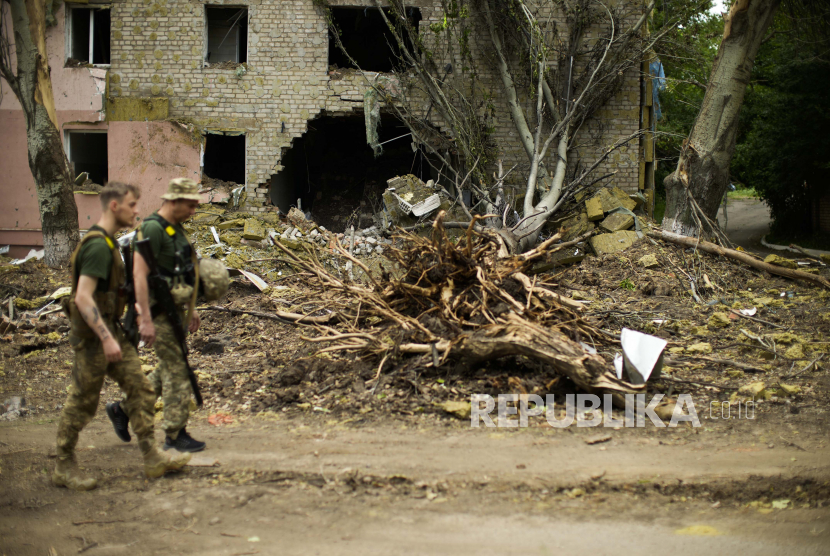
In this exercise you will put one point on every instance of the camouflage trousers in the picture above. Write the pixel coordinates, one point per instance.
(88, 374)
(169, 378)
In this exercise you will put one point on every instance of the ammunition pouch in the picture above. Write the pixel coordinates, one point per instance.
(181, 293)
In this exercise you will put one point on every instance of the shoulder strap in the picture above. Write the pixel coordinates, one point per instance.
(156, 217)
(74, 258)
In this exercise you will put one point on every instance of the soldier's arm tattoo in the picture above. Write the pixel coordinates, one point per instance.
(85, 303)
(93, 318)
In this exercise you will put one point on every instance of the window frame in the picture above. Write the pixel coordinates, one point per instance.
(68, 30)
(206, 32)
(67, 149)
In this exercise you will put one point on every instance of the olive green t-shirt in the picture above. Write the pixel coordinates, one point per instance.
(95, 260)
(163, 248)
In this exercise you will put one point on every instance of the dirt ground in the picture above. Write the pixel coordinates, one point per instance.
(312, 455)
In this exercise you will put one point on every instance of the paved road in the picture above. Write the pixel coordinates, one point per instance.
(748, 222)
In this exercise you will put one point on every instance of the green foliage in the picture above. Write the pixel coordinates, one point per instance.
(628, 285)
(783, 149)
(687, 57)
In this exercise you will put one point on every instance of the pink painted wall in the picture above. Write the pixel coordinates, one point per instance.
(19, 214)
(148, 154)
(78, 89)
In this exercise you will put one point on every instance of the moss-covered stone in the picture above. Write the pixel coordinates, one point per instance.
(719, 320)
(613, 243)
(778, 260)
(616, 222)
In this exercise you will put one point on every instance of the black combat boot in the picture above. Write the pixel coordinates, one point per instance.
(120, 421)
(184, 443)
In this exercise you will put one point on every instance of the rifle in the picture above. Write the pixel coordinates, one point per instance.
(130, 323)
(164, 299)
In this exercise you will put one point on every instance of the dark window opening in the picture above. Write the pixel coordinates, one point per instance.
(87, 152)
(335, 174)
(225, 157)
(367, 39)
(227, 32)
(89, 32)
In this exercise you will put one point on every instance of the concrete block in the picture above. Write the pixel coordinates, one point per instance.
(254, 230)
(625, 200)
(613, 243)
(593, 206)
(616, 222)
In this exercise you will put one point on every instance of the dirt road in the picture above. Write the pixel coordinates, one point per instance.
(311, 485)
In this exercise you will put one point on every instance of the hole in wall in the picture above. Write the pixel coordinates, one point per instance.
(335, 174)
(367, 38)
(225, 157)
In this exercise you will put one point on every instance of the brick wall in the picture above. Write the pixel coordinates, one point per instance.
(158, 49)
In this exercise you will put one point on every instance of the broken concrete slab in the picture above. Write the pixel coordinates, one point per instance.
(236, 223)
(254, 230)
(613, 243)
(609, 201)
(593, 206)
(624, 198)
(649, 261)
(778, 260)
(616, 222)
(576, 226)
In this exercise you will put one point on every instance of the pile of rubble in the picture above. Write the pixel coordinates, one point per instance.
(238, 238)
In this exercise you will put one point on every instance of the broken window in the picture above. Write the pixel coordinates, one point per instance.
(225, 157)
(87, 152)
(227, 34)
(335, 174)
(367, 39)
(88, 39)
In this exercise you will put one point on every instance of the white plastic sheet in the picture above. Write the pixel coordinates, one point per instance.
(642, 355)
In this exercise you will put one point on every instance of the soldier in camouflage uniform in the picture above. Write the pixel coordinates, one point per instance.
(176, 261)
(100, 346)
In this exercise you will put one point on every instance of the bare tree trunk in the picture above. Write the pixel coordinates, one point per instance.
(702, 173)
(47, 161)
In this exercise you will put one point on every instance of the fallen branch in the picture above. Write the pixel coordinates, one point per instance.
(282, 316)
(89, 521)
(804, 252)
(743, 257)
(808, 367)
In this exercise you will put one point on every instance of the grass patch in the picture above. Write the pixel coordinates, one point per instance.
(748, 193)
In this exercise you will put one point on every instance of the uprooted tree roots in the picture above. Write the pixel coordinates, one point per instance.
(459, 301)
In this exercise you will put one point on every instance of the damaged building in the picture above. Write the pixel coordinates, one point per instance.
(253, 94)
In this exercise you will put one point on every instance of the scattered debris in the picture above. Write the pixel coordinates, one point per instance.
(13, 408)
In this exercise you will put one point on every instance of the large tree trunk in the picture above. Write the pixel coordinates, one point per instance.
(47, 161)
(702, 173)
